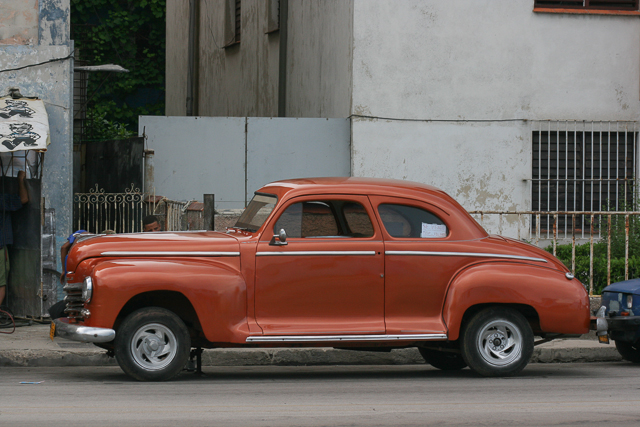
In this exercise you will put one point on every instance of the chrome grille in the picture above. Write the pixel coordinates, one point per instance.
(74, 300)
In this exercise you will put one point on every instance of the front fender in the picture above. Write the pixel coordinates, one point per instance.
(216, 291)
(562, 304)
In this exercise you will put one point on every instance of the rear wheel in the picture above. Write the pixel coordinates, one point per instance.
(152, 344)
(629, 351)
(497, 341)
(444, 360)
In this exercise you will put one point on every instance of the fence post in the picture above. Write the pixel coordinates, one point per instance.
(209, 212)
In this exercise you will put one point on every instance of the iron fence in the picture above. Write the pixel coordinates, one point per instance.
(97, 211)
(606, 236)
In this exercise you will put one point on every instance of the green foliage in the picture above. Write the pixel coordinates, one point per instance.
(618, 236)
(130, 33)
(99, 128)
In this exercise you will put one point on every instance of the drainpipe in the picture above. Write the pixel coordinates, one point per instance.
(194, 58)
(149, 179)
(282, 66)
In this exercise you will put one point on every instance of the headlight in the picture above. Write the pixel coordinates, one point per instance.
(87, 289)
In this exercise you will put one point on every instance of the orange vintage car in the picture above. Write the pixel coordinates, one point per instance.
(351, 263)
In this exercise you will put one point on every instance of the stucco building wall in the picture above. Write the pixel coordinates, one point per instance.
(475, 75)
(39, 41)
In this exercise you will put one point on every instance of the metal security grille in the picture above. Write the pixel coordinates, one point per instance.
(583, 166)
(589, 4)
(238, 22)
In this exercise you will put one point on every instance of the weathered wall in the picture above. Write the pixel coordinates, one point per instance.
(494, 61)
(240, 80)
(18, 22)
(232, 157)
(50, 81)
(176, 66)
(320, 58)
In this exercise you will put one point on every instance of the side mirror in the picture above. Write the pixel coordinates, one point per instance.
(279, 239)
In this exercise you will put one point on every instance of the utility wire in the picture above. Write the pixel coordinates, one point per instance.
(39, 63)
(437, 120)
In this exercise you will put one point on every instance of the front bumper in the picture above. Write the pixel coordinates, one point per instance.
(82, 333)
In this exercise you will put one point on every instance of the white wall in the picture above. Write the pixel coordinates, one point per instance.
(492, 59)
(474, 74)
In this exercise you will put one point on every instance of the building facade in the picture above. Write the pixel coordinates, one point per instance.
(506, 105)
(36, 56)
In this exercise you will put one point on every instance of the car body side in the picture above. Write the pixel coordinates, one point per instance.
(216, 292)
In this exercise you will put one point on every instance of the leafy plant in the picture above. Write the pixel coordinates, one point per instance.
(99, 128)
(130, 33)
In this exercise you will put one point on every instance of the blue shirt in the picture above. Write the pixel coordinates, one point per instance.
(8, 203)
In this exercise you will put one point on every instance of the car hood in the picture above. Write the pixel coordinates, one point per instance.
(628, 287)
(163, 243)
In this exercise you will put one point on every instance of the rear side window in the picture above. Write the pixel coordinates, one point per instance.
(411, 222)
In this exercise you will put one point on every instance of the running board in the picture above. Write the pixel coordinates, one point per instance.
(345, 338)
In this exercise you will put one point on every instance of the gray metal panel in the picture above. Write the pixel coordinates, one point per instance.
(196, 156)
(284, 148)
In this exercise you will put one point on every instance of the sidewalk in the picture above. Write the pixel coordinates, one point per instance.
(30, 346)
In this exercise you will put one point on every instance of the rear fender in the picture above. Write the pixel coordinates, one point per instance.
(562, 305)
(216, 291)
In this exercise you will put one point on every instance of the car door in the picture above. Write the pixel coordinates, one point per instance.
(420, 259)
(328, 277)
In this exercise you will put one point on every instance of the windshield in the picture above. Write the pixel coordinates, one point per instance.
(257, 212)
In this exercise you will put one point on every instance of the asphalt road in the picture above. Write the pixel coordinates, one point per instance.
(544, 394)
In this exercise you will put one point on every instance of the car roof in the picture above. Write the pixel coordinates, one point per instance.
(346, 185)
(627, 286)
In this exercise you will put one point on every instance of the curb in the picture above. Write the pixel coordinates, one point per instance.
(290, 357)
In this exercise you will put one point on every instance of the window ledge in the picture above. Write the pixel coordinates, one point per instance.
(587, 11)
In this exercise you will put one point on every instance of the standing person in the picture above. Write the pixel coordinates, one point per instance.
(9, 203)
(151, 223)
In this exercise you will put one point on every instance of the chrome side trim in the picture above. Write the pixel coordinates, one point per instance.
(83, 333)
(305, 253)
(471, 254)
(167, 253)
(326, 338)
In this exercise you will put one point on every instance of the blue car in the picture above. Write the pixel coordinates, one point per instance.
(621, 302)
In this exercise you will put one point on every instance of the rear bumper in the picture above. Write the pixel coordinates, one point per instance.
(82, 333)
(599, 323)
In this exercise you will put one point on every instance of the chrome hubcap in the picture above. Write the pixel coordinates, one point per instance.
(153, 346)
(500, 343)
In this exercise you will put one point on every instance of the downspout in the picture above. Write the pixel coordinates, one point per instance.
(194, 58)
(282, 66)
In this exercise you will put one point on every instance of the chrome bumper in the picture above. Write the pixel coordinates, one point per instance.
(82, 333)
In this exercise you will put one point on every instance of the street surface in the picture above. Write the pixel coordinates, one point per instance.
(599, 394)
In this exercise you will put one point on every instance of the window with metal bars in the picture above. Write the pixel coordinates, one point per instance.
(581, 167)
(238, 14)
(588, 4)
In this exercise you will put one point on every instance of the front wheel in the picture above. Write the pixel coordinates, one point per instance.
(629, 351)
(152, 344)
(497, 341)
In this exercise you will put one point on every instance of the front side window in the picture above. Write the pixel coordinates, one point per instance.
(257, 212)
(411, 222)
(325, 218)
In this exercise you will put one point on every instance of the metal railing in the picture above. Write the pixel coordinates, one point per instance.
(579, 228)
(97, 211)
